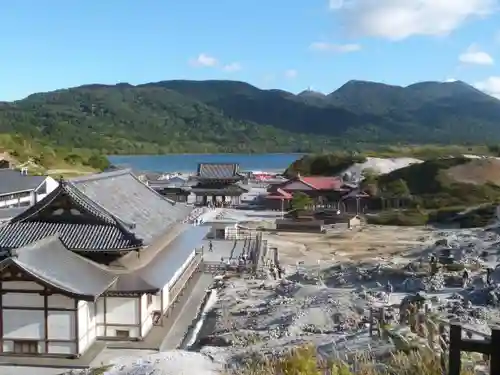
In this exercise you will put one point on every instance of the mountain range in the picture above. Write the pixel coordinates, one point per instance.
(232, 116)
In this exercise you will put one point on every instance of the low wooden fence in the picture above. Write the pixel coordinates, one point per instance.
(310, 226)
(446, 337)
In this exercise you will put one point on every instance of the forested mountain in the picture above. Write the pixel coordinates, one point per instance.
(229, 116)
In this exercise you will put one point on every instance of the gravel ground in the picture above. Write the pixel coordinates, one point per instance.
(328, 304)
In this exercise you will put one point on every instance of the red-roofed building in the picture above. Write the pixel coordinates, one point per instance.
(322, 189)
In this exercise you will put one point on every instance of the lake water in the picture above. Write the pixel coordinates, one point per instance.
(189, 162)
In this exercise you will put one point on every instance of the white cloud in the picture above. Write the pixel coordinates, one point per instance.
(475, 56)
(233, 67)
(204, 60)
(336, 48)
(449, 80)
(291, 73)
(490, 86)
(400, 19)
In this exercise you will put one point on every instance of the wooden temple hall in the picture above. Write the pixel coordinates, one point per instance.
(218, 183)
(102, 257)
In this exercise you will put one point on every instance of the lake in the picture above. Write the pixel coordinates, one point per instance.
(187, 163)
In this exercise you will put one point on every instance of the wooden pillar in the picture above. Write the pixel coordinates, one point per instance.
(454, 362)
(494, 350)
(77, 331)
(105, 308)
(1, 316)
(46, 319)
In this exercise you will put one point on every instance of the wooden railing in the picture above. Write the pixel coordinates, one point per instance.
(444, 336)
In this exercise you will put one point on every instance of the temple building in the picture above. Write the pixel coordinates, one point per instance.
(102, 257)
(218, 183)
(19, 189)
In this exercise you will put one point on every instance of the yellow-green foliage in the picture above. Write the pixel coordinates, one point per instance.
(304, 361)
(47, 156)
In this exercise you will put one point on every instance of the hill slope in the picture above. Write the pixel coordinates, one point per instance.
(445, 182)
(230, 116)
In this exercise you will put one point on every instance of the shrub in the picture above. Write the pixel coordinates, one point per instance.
(304, 361)
(400, 218)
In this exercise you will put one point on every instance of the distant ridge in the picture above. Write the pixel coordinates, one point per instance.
(232, 116)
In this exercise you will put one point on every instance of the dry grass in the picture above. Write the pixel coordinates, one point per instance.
(304, 361)
(477, 171)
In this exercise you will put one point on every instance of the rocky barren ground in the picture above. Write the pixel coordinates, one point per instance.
(328, 304)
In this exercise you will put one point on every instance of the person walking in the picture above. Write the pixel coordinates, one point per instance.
(489, 276)
(389, 289)
(210, 246)
(465, 278)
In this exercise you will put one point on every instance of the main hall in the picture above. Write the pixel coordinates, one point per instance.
(102, 257)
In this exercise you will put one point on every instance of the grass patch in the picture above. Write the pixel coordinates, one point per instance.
(304, 361)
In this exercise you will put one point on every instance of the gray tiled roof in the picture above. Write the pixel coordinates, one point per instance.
(218, 170)
(130, 215)
(78, 237)
(158, 272)
(9, 213)
(12, 181)
(128, 199)
(51, 262)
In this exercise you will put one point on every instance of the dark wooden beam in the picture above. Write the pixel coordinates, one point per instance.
(105, 306)
(77, 330)
(46, 319)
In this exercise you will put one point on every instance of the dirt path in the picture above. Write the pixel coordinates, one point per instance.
(369, 242)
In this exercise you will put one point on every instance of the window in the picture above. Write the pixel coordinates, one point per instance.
(149, 299)
(26, 347)
(42, 189)
(122, 333)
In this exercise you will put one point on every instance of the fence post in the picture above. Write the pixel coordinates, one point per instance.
(371, 321)
(494, 350)
(443, 346)
(454, 363)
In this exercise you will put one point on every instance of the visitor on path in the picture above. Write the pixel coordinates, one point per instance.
(210, 246)
(389, 289)
(465, 278)
(489, 276)
(434, 265)
(280, 272)
(273, 272)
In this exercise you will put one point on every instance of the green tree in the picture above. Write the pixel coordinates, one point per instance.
(97, 161)
(397, 189)
(370, 183)
(301, 201)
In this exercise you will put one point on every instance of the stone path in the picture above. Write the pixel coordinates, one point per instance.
(187, 315)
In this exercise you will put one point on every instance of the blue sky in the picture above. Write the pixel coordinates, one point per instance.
(291, 44)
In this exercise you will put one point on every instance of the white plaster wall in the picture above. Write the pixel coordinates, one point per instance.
(166, 299)
(59, 301)
(121, 314)
(26, 201)
(62, 348)
(51, 186)
(146, 315)
(181, 269)
(23, 324)
(121, 310)
(99, 317)
(133, 332)
(24, 285)
(23, 300)
(87, 330)
(61, 325)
